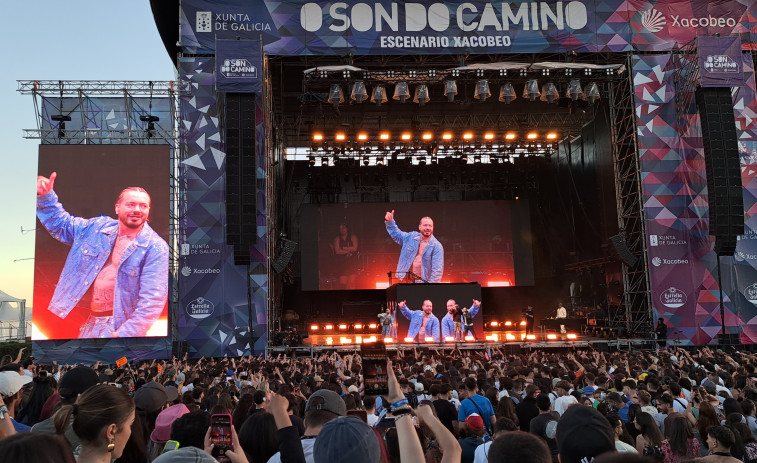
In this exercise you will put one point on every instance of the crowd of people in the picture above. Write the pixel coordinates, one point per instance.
(578, 406)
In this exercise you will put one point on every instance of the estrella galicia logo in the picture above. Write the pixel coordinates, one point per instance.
(200, 308)
(186, 270)
(653, 20)
(239, 67)
(750, 292)
(656, 261)
(204, 21)
(673, 298)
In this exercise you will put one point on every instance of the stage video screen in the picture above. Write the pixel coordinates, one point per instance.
(487, 242)
(101, 250)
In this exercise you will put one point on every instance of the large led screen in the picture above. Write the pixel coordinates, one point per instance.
(488, 242)
(101, 252)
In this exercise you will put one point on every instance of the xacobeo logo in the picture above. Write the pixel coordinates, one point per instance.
(656, 261)
(653, 20)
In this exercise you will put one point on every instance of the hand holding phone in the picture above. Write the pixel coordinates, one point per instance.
(220, 434)
(375, 376)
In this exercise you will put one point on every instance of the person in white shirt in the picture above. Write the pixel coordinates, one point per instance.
(564, 399)
(561, 313)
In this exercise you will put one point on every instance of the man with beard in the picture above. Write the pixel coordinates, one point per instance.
(116, 269)
(423, 323)
(422, 255)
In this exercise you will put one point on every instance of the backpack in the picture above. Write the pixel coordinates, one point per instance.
(654, 452)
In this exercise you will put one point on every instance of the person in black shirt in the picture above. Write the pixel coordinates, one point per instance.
(529, 320)
(545, 425)
(444, 409)
(662, 332)
(527, 409)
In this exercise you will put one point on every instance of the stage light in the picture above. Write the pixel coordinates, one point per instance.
(551, 136)
(345, 340)
(494, 284)
(468, 136)
(479, 73)
(447, 136)
(510, 337)
(492, 337)
(552, 337)
(359, 93)
(372, 326)
(370, 339)
(401, 92)
(421, 94)
(329, 341)
(587, 71)
(592, 93)
(336, 95)
(362, 136)
(482, 91)
(469, 338)
(523, 72)
(384, 136)
(328, 327)
(508, 323)
(531, 90)
(503, 72)
(549, 93)
(406, 136)
(388, 340)
(569, 72)
(428, 339)
(511, 136)
(427, 136)
(494, 324)
(523, 323)
(572, 336)
(489, 136)
(455, 73)
(358, 339)
(532, 135)
(449, 339)
(382, 285)
(340, 137)
(574, 90)
(531, 337)
(323, 74)
(450, 89)
(358, 326)
(379, 95)
(408, 339)
(61, 120)
(346, 74)
(317, 136)
(314, 327)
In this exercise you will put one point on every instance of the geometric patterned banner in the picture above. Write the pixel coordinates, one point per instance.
(682, 266)
(400, 27)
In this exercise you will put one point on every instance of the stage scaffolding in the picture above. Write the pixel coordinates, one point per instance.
(80, 103)
(636, 319)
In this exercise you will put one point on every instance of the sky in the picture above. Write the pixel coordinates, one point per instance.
(56, 40)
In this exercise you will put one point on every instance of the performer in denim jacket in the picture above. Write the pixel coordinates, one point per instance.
(423, 323)
(118, 269)
(421, 254)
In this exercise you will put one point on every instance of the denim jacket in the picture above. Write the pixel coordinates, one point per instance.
(448, 326)
(416, 320)
(432, 261)
(141, 289)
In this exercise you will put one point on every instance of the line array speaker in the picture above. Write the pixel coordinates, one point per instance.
(287, 251)
(622, 249)
(241, 210)
(721, 154)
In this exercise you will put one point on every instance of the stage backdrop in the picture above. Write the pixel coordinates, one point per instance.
(385, 27)
(682, 266)
(212, 315)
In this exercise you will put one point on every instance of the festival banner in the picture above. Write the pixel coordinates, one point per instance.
(238, 66)
(720, 62)
(386, 27)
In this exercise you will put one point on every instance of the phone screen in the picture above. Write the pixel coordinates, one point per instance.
(375, 376)
(220, 434)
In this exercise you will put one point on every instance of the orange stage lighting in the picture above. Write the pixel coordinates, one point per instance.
(470, 338)
(329, 340)
(314, 327)
(428, 339)
(372, 326)
(508, 323)
(492, 337)
(446, 136)
(382, 285)
(523, 323)
(408, 339)
(532, 135)
(362, 136)
(552, 337)
(511, 136)
(489, 136)
(497, 284)
(531, 337)
(317, 137)
(510, 337)
(552, 136)
(358, 339)
(495, 324)
(384, 136)
(388, 340)
(572, 336)
(406, 136)
(329, 327)
(343, 326)
(427, 136)
(468, 136)
(449, 339)
(340, 137)
(371, 339)
(358, 326)
(345, 340)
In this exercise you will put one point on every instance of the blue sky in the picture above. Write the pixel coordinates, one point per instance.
(55, 40)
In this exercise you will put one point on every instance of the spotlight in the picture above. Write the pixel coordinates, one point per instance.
(549, 93)
(362, 136)
(359, 93)
(511, 136)
(432, 72)
(340, 136)
(479, 73)
(346, 74)
(592, 93)
(531, 90)
(323, 74)
(406, 136)
(587, 71)
(523, 72)
(317, 136)
(552, 136)
(450, 90)
(545, 72)
(427, 136)
(336, 95)
(503, 72)
(532, 135)
(421, 94)
(412, 73)
(569, 72)
(446, 136)
(379, 95)
(574, 90)
(468, 136)
(384, 136)
(489, 136)
(482, 91)
(507, 93)
(62, 119)
(401, 92)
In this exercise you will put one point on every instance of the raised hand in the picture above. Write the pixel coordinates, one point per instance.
(389, 216)
(45, 185)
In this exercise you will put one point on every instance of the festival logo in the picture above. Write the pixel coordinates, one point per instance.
(200, 308)
(750, 292)
(653, 20)
(673, 298)
(204, 21)
(721, 63)
(186, 271)
(656, 261)
(239, 68)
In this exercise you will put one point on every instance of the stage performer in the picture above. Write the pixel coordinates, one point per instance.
(346, 252)
(530, 320)
(562, 313)
(451, 323)
(117, 269)
(661, 331)
(422, 322)
(422, 255)
(386, 320)
(467, 317)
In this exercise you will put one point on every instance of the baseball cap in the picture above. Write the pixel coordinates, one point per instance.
(151, 397)
(588, 390)
(11, 382)
(327, 400)
(180, 378)
(475, 422)
(346, 439)
(162, 431)
(353, 388)
(583, 433)
(76, 381)
(185, 455)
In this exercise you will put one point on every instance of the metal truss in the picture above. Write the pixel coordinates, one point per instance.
(96, 87)
(636, 319)
(686, 77)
